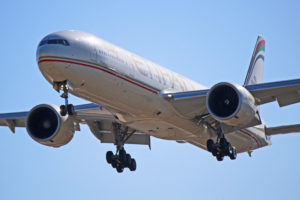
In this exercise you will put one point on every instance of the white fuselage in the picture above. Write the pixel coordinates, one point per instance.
(129, 86)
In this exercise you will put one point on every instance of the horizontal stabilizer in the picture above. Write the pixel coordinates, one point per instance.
(282, 129)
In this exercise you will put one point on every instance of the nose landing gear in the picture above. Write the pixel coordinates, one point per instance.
(120, 159)
(221, 148)
(66, 108)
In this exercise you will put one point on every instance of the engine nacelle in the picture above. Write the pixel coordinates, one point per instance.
(232, 104)
(46, 126)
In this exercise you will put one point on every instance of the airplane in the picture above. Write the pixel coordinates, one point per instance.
(132, 99)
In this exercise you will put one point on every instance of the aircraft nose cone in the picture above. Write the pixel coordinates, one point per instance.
(41, 48)
(52, 45)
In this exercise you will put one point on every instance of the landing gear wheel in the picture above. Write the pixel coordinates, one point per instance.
(224, 146)
(132, 165)
(71, 109)
(109, 157)
(121, 160)
(63, 110)
(233, 153)
(220, 157)
(120, 169)
(66, 108)
(128, 160)
(114, 163)
(214, 151)
(122, 156)
(210, 145)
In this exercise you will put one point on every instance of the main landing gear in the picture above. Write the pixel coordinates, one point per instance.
(120, 159)
(221, 148)
(66, 108)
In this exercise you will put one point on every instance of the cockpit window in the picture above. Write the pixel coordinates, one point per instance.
(55, 41)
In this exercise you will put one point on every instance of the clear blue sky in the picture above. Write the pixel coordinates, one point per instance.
(207, 42)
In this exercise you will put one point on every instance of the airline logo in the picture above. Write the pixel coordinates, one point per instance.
(255, 71)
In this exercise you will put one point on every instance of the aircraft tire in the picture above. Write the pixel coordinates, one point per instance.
(63, 110)
(233, 153)
(114, 163)
(70, 109)
(220, 157)
(210, 145)
(109, 157)
(132, 166)
(122, 156)
(120, 169)
(214, 151)
(128, 160)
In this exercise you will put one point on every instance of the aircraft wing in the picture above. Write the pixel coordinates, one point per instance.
(85, 111)
(189, 103)
(96, 117)
(284, 92)
(193, 103)
(13, 120)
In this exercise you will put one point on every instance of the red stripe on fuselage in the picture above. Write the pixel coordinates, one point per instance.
(102, 69)
(246, 133)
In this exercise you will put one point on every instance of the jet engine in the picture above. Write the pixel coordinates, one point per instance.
(46, 126)
(232, 104)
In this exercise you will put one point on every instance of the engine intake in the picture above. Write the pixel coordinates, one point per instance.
(46, 126)
(232, 104)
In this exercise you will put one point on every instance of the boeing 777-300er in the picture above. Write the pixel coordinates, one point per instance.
(133, 99)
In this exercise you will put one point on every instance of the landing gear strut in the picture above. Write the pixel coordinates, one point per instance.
(120, 159)
(66, 108)
(221, 148)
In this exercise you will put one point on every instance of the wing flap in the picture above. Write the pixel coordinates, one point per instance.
(289, 98)
(103, 130)
(138, 138)
(188, 104)
(284, 92)
(88, 112)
